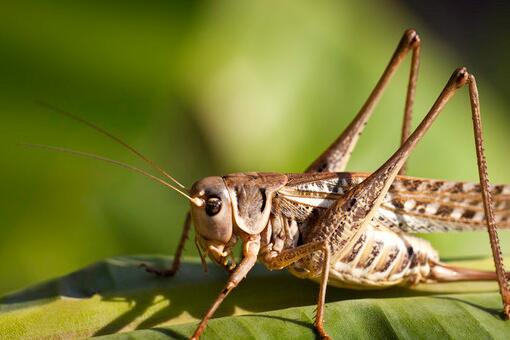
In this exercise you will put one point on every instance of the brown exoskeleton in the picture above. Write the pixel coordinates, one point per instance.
(345, 229)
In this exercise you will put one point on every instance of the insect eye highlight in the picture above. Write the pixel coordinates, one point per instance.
(212, 206)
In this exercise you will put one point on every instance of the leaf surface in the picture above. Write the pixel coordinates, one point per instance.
(115, 296)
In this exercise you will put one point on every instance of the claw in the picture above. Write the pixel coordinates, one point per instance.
(322, 332)
(157, 271)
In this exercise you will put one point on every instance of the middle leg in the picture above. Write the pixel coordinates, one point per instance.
(289, 256)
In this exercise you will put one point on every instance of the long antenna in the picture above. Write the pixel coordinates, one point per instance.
(197, 201)
(111, 136)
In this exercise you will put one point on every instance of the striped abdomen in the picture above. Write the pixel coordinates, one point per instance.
(377, 258)
(381, 258)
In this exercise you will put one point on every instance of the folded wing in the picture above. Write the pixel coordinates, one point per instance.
(416, 205)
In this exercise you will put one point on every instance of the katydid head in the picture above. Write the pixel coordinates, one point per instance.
(231, 208)
(213, 218)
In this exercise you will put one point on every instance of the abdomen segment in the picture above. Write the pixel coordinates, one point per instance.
(379, 258)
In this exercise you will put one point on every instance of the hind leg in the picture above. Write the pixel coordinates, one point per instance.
(337, 155)
(441, 272)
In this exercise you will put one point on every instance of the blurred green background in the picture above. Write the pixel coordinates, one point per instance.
(212, 88)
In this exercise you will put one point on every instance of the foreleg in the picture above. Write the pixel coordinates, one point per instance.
(250, 251)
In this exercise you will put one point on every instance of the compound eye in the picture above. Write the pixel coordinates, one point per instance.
(212, 206)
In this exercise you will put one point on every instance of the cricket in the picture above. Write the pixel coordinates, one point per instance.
(342, 229)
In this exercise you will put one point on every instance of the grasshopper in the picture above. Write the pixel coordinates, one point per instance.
(341, 228)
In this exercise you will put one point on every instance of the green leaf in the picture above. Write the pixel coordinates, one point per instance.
(115, 296)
